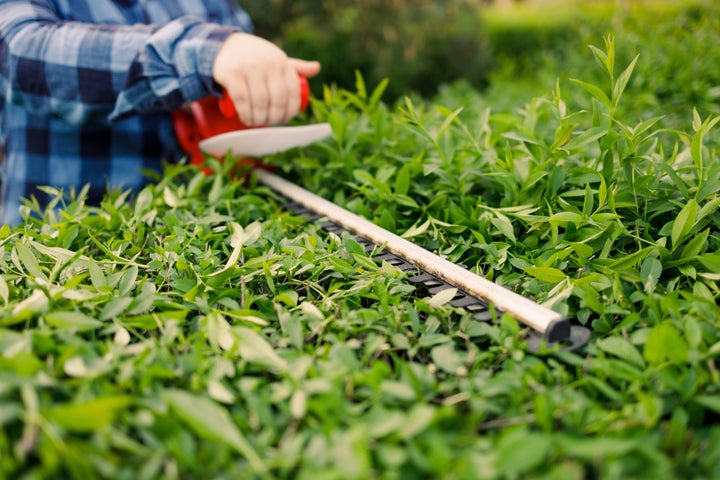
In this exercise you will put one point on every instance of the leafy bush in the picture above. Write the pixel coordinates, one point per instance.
(199, 330)
(421, 45)
(676, 68)
(418, 44)
(547, 178)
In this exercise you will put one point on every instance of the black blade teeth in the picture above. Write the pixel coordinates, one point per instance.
(478, 308)
(391, 258)
(302, 211)
(440, 288)
(405, 266)
(333, 227)
(423, 277)
(483, 316)
(465, 301)
(366, 244)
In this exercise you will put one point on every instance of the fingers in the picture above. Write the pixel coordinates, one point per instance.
(260, 79)
(267, 99)
(259, 100)
(283, 96)
(240, 96)
(306, 68)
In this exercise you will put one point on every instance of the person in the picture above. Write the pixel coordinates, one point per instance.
(87, 87)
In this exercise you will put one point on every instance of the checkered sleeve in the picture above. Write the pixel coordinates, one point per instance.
(102, 72)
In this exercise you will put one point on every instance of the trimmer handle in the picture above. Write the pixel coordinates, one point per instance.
(212, 116)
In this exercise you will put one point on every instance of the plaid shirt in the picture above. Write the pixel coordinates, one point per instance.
(86, 88)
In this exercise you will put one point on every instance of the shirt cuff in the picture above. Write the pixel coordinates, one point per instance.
(173, 68)
(196, 58)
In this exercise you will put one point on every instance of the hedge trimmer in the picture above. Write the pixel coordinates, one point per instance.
(211, 126)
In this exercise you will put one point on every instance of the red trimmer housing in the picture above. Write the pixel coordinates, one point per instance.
(212, 116)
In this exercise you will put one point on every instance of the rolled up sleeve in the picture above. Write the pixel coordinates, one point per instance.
(84, 72)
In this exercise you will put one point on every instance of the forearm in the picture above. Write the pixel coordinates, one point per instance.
(173, 67)
(83, 72)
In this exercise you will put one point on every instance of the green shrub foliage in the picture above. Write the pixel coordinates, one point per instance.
(200, 330)
(532, 48)
(419, 44)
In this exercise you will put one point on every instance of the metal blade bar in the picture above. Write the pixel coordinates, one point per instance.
(551, 325)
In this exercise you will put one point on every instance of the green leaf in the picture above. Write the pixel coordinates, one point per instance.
(402, 181)
(587, 137)
(72, 320)
(311, 310)
(504, 224)
(144, 301)
(29, 260)
(445, 357)
(399, 390)
(546, 274)
(595, 92)
(378, 92)
(709, 208)
(447, 122)
(219, 333)
(88, 416)
(684, 222)
(622, 81)
(298, 404)
(239, 238)
(650, 271)
(365, 262)
(419, 419)
(623, 349)
(443, 297)
(665, 344)
(629, 261)
(562, 135)
(696, 146)
(216, 189)
(4, 290)
(696, 244)
(696, 121)
(417, 230)
(588, 203)
(708, 401)
(601, 57)
(594, 448)
(155, 320)
(520, 451)
(288, 297)
(97, 276)
(127, 280)
(171, 199)
(693, 332)
(711, 262)
(115, 308)
(562, 218)
(254, 348)
(211, 421)
(34, 303)
(143, 202)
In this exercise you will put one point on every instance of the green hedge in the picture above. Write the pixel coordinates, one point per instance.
(200, 330)
(677, 66)
(416, 44)
(422, 44)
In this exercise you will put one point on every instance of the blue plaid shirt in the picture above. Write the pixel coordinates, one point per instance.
(87, 86)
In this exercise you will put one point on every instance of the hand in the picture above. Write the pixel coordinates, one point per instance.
(261, 79)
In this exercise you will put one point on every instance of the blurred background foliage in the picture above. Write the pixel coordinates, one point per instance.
(416, 43)
(527, 45)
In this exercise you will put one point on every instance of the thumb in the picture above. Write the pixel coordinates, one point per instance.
(305, 68)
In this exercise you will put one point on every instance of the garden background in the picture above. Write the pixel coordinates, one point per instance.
(567, 150)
